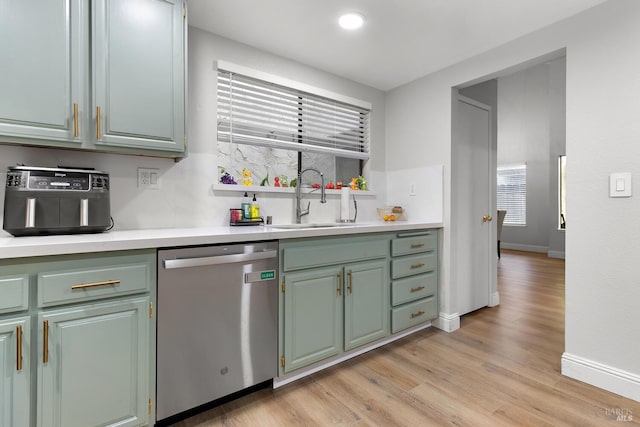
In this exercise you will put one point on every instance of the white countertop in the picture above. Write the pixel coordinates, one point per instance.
(19, 247)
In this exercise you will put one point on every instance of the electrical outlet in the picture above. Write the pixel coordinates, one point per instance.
(149, 178)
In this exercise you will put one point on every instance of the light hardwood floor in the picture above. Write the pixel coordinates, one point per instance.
(502, 367)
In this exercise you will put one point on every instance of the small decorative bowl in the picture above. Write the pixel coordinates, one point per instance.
(387, 213)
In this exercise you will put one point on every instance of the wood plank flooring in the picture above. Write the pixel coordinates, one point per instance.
(501, 368)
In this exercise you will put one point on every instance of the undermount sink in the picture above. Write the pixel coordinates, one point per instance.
(312, 225)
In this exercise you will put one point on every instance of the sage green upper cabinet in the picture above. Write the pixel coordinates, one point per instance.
(138, 70)
(104, 75)
(42, 75)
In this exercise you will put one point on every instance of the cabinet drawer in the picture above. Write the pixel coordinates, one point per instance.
(319, 255)
(415, 264)
(413, 314)
(413, 288)
(414, 244)
(14, 293)
(96, 279)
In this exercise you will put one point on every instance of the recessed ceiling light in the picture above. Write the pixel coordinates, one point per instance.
(351, 21)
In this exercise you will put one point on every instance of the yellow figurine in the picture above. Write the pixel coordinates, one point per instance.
(246, 177)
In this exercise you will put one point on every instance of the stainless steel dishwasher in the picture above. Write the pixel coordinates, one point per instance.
(217, 322)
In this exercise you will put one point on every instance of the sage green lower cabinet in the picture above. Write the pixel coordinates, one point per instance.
(83, 327)
(313, 320)
(366, 303)
(334, 297)
(94, 369)
(15, 371)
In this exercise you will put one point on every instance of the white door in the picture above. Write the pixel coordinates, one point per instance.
(472, 205)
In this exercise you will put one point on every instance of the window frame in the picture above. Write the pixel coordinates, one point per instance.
(516, 207)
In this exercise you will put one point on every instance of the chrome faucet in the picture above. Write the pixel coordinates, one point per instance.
(323, 197)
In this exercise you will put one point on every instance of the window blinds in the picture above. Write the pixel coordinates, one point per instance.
(257, 112)
(512, 193)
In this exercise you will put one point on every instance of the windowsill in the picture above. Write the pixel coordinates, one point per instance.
(291, 190)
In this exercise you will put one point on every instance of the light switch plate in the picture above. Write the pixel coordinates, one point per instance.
(149, 178)
(620, 184)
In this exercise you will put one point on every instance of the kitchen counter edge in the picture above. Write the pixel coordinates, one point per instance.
(21, 247)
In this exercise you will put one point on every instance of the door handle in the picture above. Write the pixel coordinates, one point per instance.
(219, 259)
(19, 348)
(340, 283)
(350, 286)
(45, 342)
(487, 218)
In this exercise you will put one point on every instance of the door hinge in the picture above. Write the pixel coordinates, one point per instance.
(282, 287)
(282, 361)
(185, 141)
(150, 309)
(150, 405)
(184, 10)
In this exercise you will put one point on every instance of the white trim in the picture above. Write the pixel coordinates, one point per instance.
(288, 378)
(272, 78)
(526, 248)
(447, 322)
(494, 299)
(556, 254)
(615, 380)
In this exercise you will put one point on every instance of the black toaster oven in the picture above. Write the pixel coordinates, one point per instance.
(42, 201)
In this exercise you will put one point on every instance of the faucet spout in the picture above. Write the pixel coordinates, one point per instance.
(323, 196)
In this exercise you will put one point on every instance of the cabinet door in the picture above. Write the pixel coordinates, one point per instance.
(41, 76)
(312, 316)
(138, 70)
(366, 311)
(93, 365)
(14, 372)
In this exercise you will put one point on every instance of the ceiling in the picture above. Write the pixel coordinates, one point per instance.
(401, 40)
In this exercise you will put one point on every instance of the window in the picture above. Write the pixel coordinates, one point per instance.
(512, 193)
(276, 129)
(562, 192)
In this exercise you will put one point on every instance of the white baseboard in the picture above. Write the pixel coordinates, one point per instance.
(556, 254)
(526, 248)
(494, 300)
(617, 381)
(447, 322)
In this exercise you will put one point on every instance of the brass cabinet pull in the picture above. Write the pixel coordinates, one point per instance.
(19, 346)
(97, 122)
(76, 133)
(45, 340)
(417, 288)
(418, 314)
(416, 245)
(420, 264)
(340, 283)
(93, 285)
(350, 286)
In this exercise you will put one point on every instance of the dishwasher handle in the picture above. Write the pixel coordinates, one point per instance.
(216, 260)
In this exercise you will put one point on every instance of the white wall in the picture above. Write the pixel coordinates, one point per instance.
(185, 198)
(531, 103)
(602, 130)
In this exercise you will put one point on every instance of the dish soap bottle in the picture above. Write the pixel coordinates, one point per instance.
(255, 208)
(246, 206)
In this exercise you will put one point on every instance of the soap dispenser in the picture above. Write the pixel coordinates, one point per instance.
(246, 206)
(255, 208)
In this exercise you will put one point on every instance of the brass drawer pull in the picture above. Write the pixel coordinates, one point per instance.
(19, 346)
(419, 265)
(416, 245)
(350, 286)
(417, 288)
(340, 283)
(418, 314)
(93, 285)
(45, 339)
